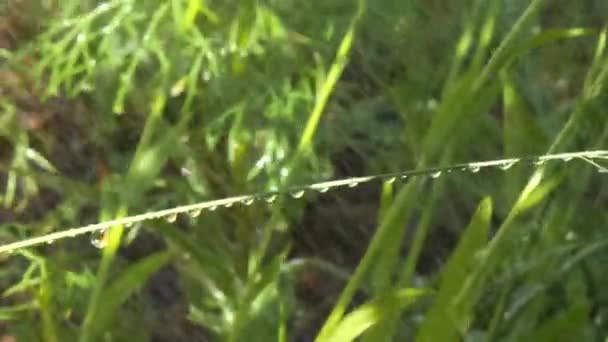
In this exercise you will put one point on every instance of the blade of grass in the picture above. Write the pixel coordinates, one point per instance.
(568, 325)
(367, 315)
(146, 164)
(438, 325)
(330, 80)
(305, 144)
(534, 191)
(393, 220)
(95, 302)
(504, 50)
(45, 300)
(120, 290)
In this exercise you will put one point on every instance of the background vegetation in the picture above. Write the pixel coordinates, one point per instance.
(118, 107)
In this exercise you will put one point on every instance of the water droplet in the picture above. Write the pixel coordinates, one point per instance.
(297, 194)
(391, 180)
(474, 168)
(228, 205)
(81, 38)
(567, 159)
(270, 198)
(212, 208)
(323, 190)
(404, 176)
(353, 184)
(107, 30)
(172, 218)
(98, 239)
(284, 172)
(507, 165)
(540, 162)
(103, 7)
(195, 213)
(248, 201)
(128, 224)
(185, 172)
(571, 236)
(50, 242)
(602, 170)
(436, 174)
(206, 76)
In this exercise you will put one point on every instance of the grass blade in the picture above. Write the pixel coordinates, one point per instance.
(367, 315)
(120, 290)
(439, 325)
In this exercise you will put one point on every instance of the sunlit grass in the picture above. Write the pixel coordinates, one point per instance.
(220, 123)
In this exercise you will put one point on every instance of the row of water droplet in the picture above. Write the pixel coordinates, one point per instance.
(99, 236)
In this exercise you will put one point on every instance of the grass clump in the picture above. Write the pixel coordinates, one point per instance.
(109, 109)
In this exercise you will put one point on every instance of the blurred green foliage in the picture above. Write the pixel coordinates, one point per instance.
(110, 108)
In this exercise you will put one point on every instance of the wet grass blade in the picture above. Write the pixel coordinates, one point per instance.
(440, 324)
(367, 315)
(114, 295)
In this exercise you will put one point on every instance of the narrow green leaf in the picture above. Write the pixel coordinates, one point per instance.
(194, 7)
(536, 190)
(330, 80)
(9, 313)
(522, 134)
(369, 314)
(121, 289)
(390, 229)
(568, 325)
(548, 36)
(438, 325)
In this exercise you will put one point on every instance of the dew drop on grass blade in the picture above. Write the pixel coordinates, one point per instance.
(436, 174)
(353, 184)
(195, 213)
(298, 194)
(172, 218)
(270, 198)
(99, 239)
(248, 201)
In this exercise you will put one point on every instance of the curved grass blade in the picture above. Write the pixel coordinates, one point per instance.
(367, 315)
(119, 291)
(438, 325)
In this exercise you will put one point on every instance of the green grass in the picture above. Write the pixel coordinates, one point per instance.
(117, 111)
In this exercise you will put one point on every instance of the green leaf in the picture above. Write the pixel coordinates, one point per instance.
(536, 190)
(8, 313)
(549, 36)
(439, 325)
(120, 290)
(522, 134)
(367, 315)
(256, 315)
(568, 325)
